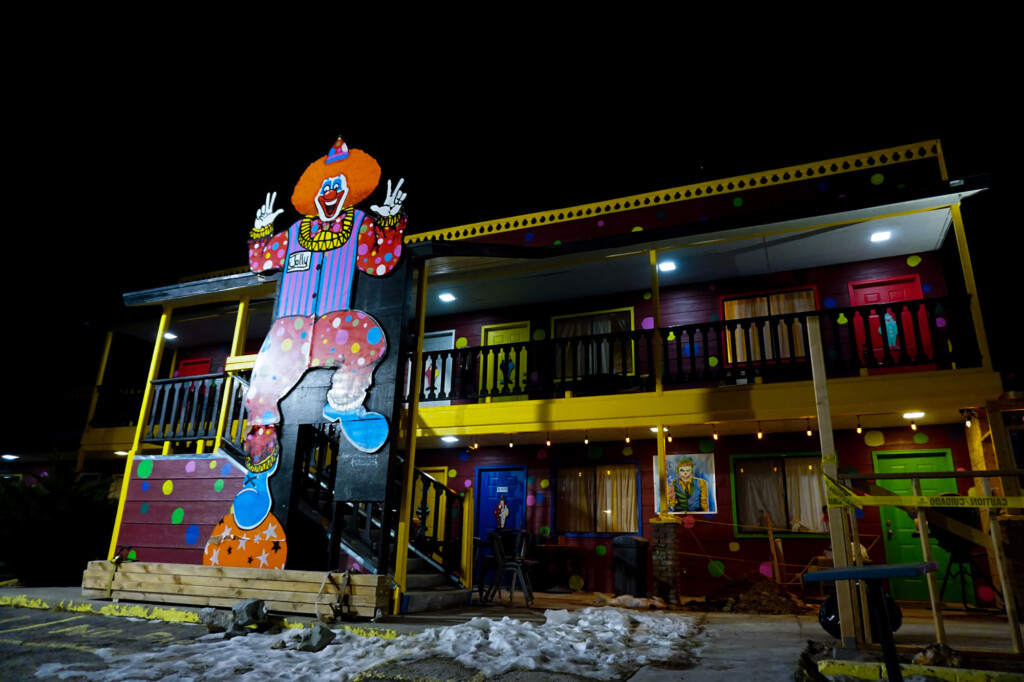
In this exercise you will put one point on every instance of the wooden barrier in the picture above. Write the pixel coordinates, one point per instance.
(301, 592)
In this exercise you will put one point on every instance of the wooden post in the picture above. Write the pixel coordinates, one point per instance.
(656, 304)
(1003, 452)
(837, 522)
(926, 552)
(863, 621)
(1004, 579)
(972, 288)
(771, 545)
(409, 488)
(468, 514)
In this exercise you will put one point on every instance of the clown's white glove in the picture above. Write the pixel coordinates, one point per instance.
(392, 201)
(266, 214)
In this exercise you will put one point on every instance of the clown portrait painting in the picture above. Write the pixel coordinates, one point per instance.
(314, 327)
(690, 482)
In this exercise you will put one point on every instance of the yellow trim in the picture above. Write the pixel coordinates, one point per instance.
(99, 378)
(405, 509)
(942, 162)
(929, 391)
(468, 516)
(237, 363)
(746, 181)
(972, 288)
(658, 369)
(147, 398)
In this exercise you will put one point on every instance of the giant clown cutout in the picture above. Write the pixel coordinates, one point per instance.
(313, 327)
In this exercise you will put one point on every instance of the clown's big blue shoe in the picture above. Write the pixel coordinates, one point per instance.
(366, 431)
(253, 501)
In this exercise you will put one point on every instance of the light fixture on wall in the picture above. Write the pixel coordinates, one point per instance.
(714, 432)
(586, 437)
(760, 434)
(668, 435)
(969, 416)
(476, 444)
(510, 440)
(913, 426)
(859, 429)
(627, 435)
(548, 441)
(809, 432)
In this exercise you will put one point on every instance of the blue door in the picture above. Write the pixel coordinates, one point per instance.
(493, 483)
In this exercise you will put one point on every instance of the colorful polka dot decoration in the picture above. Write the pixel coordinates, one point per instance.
(576, 582)
(461, 342)
(600, 550)
(452, 473)
(542, 454)
(713, 361)
(190, 467)
(647, 323)
(829, 302)
(689, 521)
(167, 488)
(913, 261)
(874, 438)
(765, 569)
(706, 445)
(545, 483)
(145, 468)
(464, 455)
(468, 483)
(716, 568)
(600, 223)
(734, 546)
(530, 480)
(647, 295)
(627, 451)
(545, 531)
(637, 229)
(539, 334)
(455, 513)
(530, 500)
(132, 556)
(540, 498)
(737, 202)
(177, 516)
(920, 438)
(877, 179)
(986, 594)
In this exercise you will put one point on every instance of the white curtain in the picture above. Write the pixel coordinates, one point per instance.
(742, 309)
(574, 508)
(805, 489)
(616, 499)
(760, 494)
(588, 357)
(761, 343)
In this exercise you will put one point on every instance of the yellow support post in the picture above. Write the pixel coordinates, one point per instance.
(405, 510)
(147, 398)
(972, 288)
(237, 348)
(468, 514)
(656, 301)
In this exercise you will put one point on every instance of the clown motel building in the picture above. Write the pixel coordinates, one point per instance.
(649, 365)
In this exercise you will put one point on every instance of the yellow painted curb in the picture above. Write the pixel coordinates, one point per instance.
(876, 671)
(160, 613)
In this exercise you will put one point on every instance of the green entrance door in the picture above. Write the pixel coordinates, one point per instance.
(898, 528)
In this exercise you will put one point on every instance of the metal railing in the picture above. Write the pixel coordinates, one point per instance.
(934, 333)
(184, 409)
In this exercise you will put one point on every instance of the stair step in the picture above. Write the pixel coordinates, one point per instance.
(419, 601)
(423, 581)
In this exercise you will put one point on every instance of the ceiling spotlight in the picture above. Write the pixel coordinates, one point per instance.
(170, 336)
(449, 439)
(11, 458)
(881, 236)
(654, 429)
(714, 432)
(627, 435)
(967, 422)
(809, 432)
(859, 429)
(913, 415)
(119, 453)
(446, 297)
(667, 266)
(760, 434)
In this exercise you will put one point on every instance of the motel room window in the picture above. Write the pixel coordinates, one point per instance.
(789, 490)
(606, 356)
(747, 344)
(597, 499)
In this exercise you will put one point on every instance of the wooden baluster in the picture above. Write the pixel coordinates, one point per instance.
(901, 336)
(915, 328)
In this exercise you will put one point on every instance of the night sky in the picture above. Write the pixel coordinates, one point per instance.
(150, 179)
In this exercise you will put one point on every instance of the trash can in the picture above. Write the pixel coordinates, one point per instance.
(630, 562)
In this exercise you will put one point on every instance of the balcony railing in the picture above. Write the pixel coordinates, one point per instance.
(184, 409)
(934, 333)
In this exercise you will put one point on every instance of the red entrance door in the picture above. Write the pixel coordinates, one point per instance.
(884, 296)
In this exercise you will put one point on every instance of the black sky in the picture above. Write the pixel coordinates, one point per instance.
(146, 179)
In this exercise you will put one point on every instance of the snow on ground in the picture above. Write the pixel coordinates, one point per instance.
(602, 643)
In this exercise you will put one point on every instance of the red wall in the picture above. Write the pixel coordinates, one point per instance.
(709, 537)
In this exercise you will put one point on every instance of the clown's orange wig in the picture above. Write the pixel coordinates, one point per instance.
(361, 171)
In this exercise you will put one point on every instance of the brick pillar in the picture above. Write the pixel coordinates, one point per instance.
(667, 569)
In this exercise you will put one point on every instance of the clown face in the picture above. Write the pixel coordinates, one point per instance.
(330, 200)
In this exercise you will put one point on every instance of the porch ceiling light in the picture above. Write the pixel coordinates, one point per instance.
(446, 297)
(11, 458)
(654, 429)
(667, 266)
(809, 432)
(859, 429)
(548, 441)
(586, 437)
(121, 453)
(170, 336)
(760, 433)
(913, 415)
(714, 432)
(449, 439)
(881, 236)
(627, 435)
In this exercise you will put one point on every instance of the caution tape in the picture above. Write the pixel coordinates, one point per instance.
(840, 496)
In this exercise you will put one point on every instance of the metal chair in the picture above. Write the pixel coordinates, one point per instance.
(509, 559)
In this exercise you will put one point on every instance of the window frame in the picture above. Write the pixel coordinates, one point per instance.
(733, 466)
(767, 294)
(593, 313)
(555, 532)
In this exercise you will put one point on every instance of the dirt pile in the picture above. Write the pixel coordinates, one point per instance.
(755, 594)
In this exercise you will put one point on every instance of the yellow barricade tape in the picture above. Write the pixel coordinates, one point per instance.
(841, 496)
